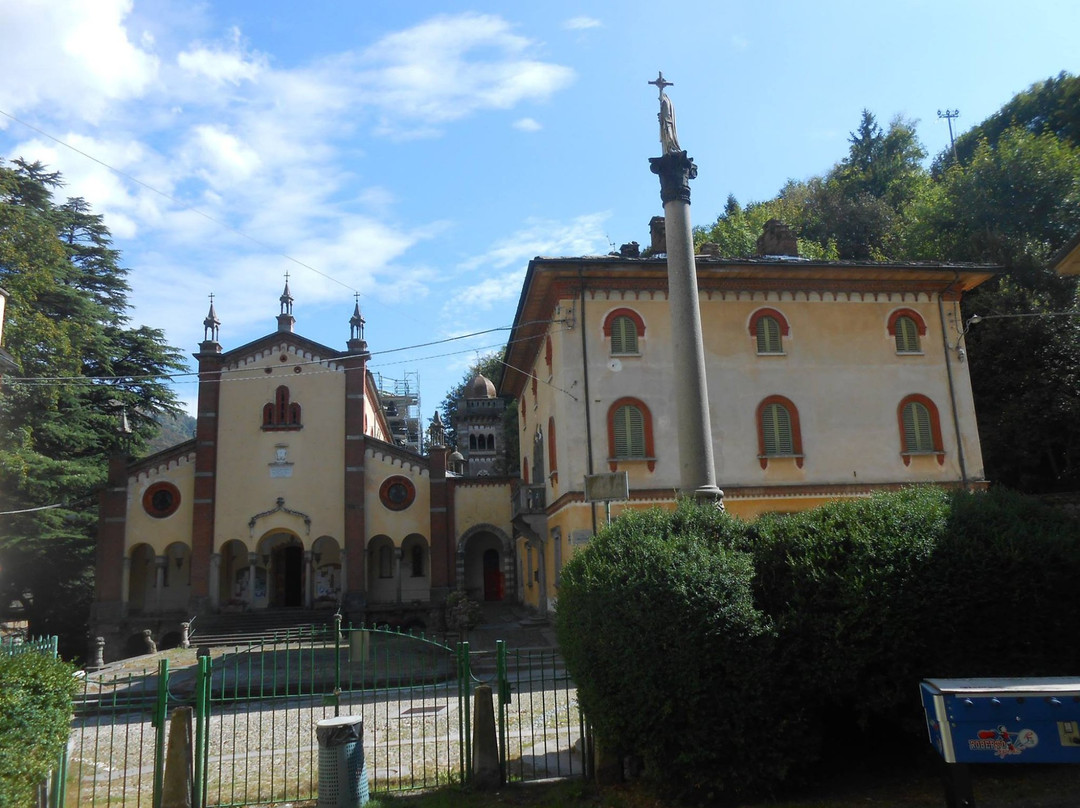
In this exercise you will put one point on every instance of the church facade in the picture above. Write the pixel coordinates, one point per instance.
(826, 380)
(292, 495)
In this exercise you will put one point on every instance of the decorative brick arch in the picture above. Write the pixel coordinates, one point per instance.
(920, 323)
(639, 323)
(508, 563)
(781, 320)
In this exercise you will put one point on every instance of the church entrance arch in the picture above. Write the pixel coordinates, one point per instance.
(282, 555)
(484, 563)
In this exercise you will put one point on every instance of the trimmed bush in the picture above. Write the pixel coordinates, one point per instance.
(35, 720)
(730, 655)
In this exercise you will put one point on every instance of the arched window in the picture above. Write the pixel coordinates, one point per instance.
(547, 353)
(534, 386)
(779, 434)
(281, 413)
(630, 433)
(416, 557)
(491, 443)
(624, 327)
(769, 327)
(472, 443)
(920, 428)
(906, 326)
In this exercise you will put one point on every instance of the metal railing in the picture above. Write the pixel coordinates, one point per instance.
(256, 706)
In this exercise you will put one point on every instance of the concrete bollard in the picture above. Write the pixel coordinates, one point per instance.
(185, 635)
(486, 773)
(97, 654)
(178, 785)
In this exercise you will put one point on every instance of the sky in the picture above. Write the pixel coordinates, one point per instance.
(418, 154)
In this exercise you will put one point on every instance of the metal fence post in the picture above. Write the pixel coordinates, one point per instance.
(337, 664)
(464, 708)
(161, 710)
(202, 720)
(503, 692)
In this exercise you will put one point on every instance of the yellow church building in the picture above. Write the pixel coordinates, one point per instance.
(292, 496)
(826, 380)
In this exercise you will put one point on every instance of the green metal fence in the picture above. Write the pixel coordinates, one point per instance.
(116, 752)
(256, 707)
(542, 733)
(11, 646)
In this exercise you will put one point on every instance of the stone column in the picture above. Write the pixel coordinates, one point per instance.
(697, 472)
(215, 581)
(253, 559)
(309, 579)
(159, 580)
(398, 553)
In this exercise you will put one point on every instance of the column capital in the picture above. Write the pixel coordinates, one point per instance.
(675, 170)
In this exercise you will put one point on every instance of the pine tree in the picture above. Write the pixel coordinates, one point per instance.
(82, 369)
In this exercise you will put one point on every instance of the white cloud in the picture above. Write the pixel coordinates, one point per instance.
(72, 56)
(583, 235)
(448, 68)
(582, 23)
(527, 125)
(223, 64)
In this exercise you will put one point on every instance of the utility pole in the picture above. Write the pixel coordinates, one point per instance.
(948, 115)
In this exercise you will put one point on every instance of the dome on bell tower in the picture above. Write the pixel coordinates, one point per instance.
(480, 387)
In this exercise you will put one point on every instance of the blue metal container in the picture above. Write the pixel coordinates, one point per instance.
(1031, 720)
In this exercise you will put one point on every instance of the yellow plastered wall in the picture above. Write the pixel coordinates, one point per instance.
(380, 520)
(141, 528)
(481, 504)
(247, 454)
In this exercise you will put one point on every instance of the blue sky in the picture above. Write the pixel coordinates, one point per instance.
(421, 153)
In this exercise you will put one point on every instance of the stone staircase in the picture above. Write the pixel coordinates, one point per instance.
(258, 626)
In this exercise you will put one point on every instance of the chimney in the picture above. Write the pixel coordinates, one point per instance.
(777, 239)
(658, 234)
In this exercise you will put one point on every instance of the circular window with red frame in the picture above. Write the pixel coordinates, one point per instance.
(397, 493)
(161, 500)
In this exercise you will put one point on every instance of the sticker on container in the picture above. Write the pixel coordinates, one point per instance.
(1002, 742)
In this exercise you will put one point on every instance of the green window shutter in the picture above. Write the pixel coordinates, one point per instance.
(623, 336)
(629, 432)
(776, 430)
(768, 335)
(907, 335)
(918, 437)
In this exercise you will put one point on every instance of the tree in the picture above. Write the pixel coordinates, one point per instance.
(83, 368)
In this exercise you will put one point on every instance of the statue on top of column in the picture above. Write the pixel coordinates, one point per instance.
(669, 137)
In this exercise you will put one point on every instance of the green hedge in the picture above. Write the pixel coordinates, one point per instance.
(731, 654)
(35, 719)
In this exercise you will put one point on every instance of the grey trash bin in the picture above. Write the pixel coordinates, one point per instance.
(343, 780)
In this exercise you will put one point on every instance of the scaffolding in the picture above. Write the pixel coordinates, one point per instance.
(400, 401)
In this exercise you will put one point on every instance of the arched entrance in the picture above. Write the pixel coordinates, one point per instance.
(287, 566)
(483, 570)
(282, 555)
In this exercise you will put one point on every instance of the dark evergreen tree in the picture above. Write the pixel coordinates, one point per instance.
(83, 369)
